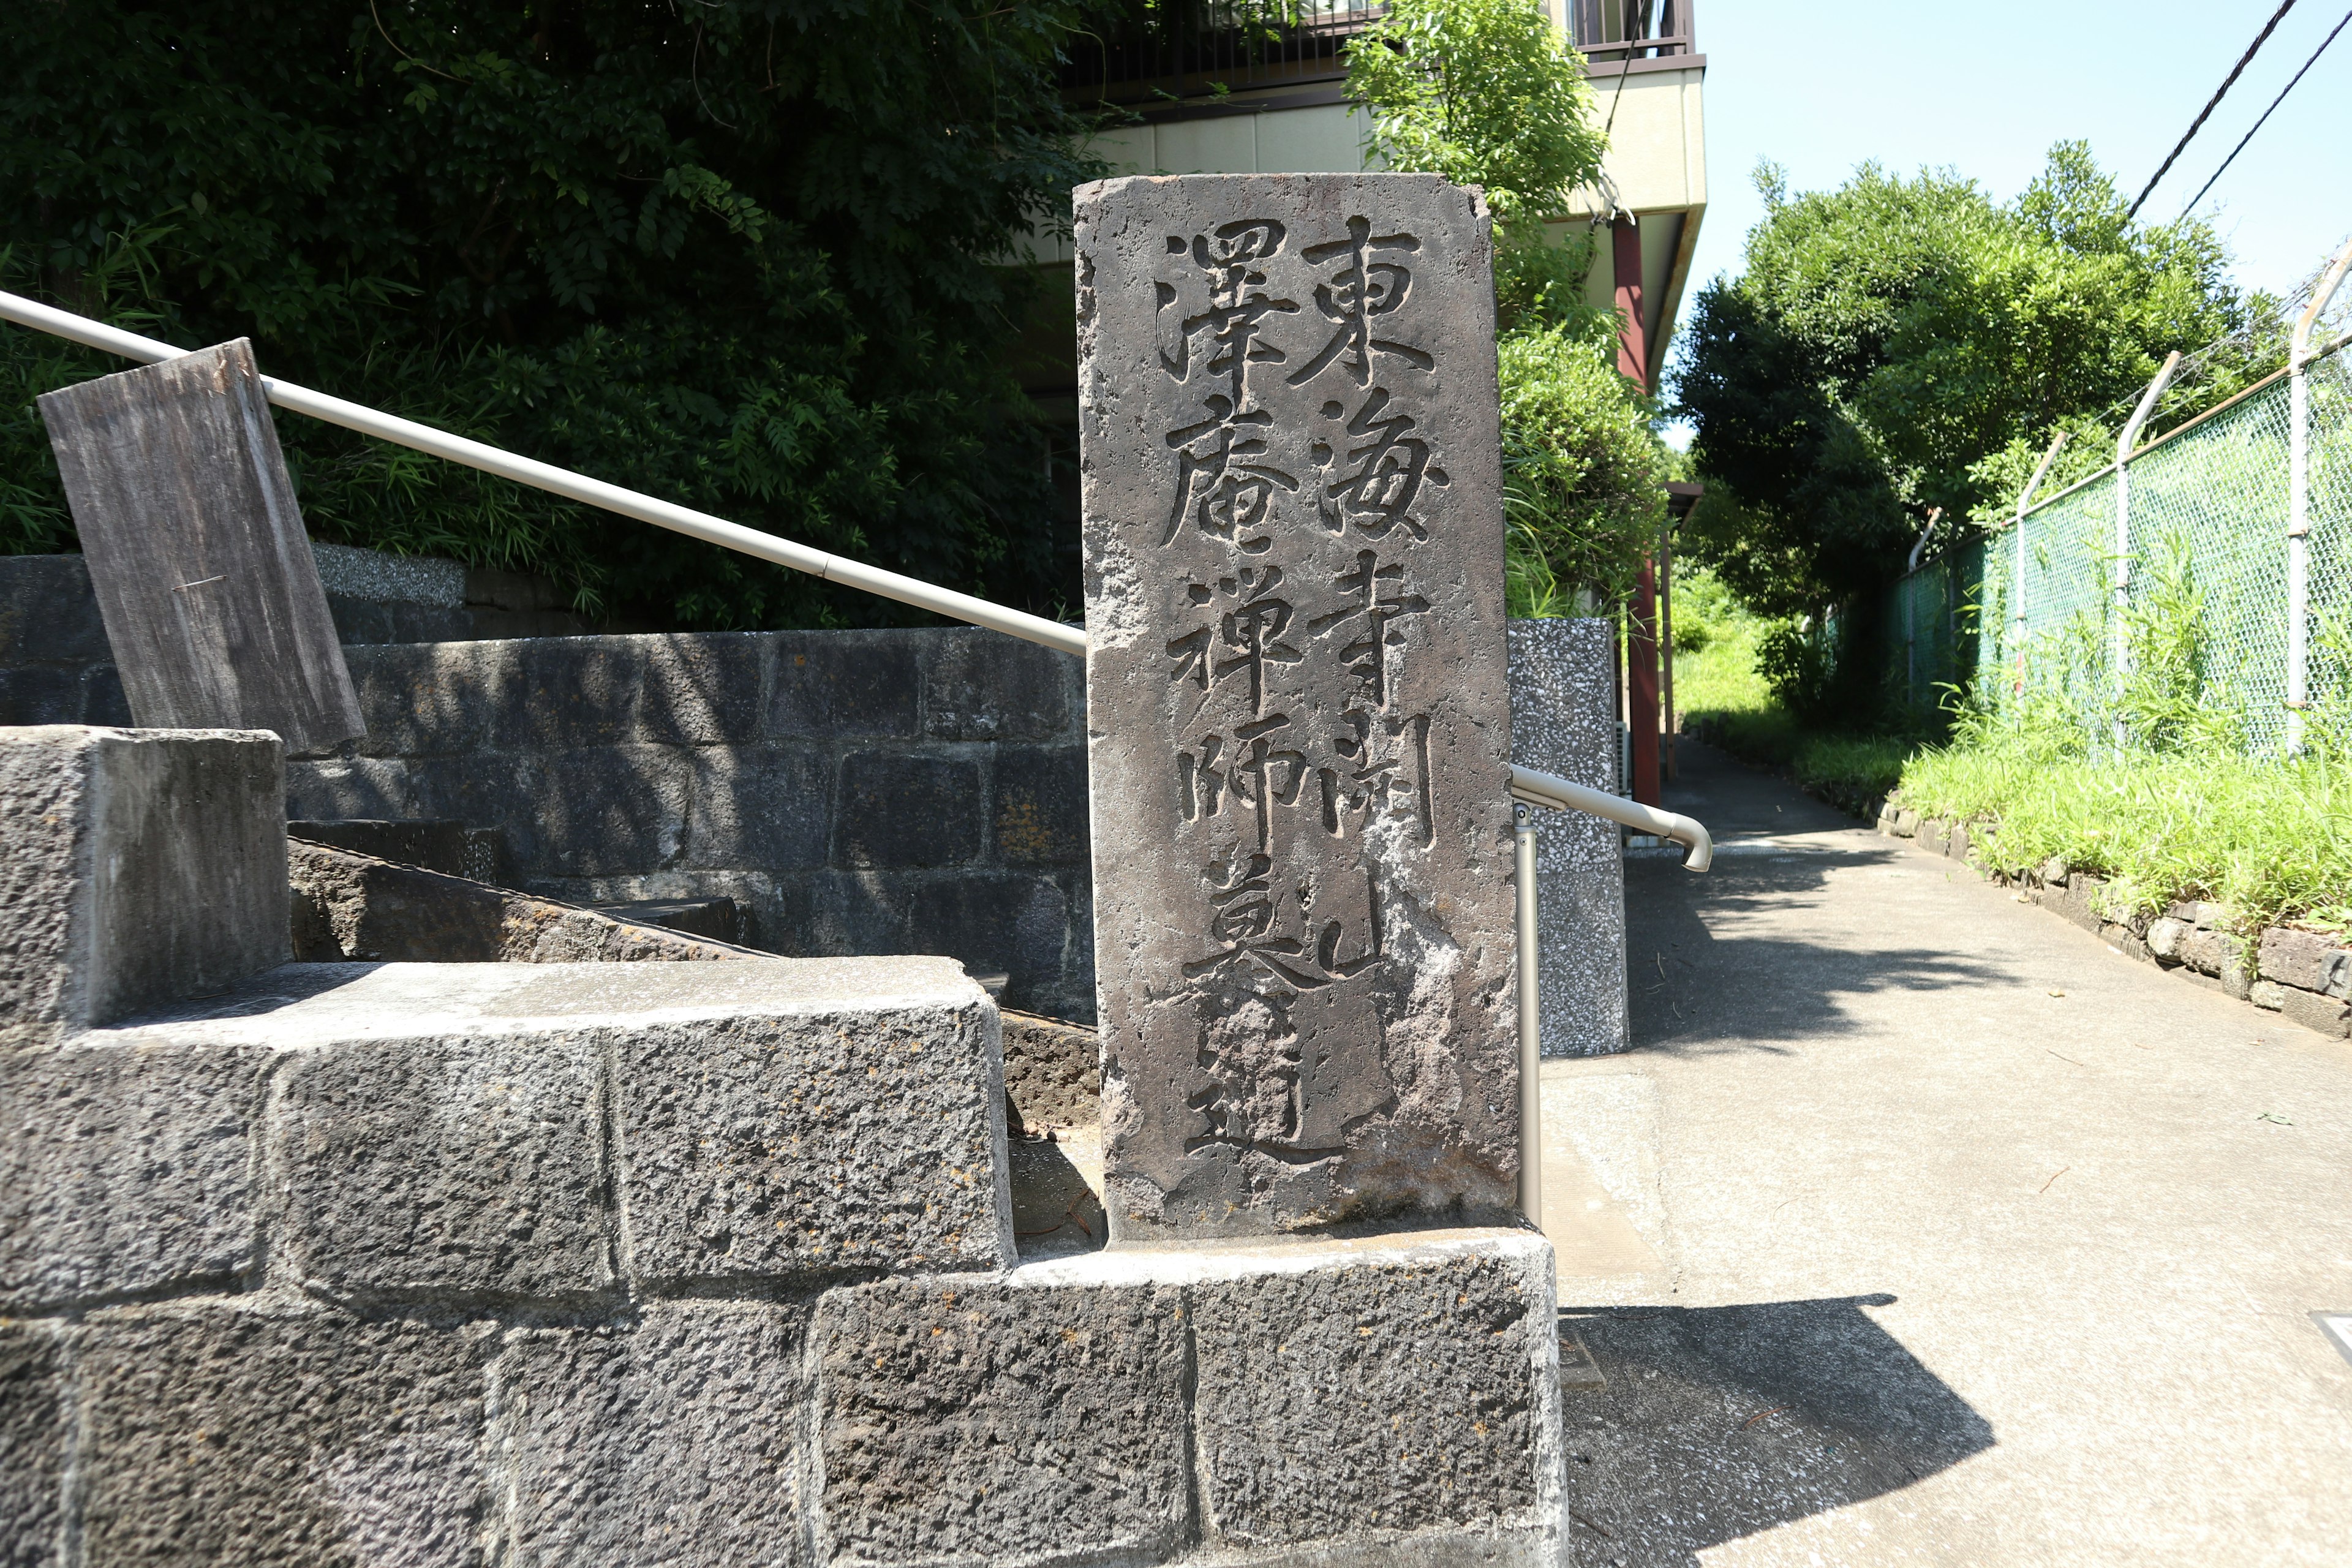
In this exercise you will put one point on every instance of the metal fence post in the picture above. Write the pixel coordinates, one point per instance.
(2298, 504)
(2122, 656)
(1523, 822)
(2017, 548)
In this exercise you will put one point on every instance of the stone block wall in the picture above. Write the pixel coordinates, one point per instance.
(854, 792)
(2304, 975)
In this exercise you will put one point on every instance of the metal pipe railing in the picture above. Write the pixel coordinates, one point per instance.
(575, 487)
(1527, 787)
(2123, 439)
(1546, 789)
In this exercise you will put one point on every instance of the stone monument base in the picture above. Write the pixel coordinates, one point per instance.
(427, 1263)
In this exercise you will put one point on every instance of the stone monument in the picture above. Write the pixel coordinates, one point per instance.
(1299, 713)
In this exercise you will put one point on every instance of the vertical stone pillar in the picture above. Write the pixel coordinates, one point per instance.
(1563, 722)
(136, 866)
(1298, 704)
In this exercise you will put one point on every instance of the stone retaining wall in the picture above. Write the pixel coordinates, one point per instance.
(2305, 976)
(854, 792)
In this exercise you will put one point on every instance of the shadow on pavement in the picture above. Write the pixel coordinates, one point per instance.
(1689, 988)
(1720, 1422)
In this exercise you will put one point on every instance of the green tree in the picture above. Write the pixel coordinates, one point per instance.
(745, 254)
(1895, 346)
(1490, 93)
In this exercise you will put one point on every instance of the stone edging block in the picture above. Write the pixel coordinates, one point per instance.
(2305, 976)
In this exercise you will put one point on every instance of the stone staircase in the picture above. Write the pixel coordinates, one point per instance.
(608, 1262)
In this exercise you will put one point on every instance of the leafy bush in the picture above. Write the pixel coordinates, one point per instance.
(1489, 92)
(2269, 841)
(747, 258)
(1584, 475)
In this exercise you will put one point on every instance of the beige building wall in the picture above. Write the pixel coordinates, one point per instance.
(1655, 168)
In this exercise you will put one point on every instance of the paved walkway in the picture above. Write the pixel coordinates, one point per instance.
(1919, 1227)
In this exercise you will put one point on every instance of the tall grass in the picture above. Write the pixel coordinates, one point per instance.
(2154, 790)
(2269, 841)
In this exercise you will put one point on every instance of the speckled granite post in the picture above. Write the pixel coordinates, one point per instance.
(1563, 722)
(1296, 703)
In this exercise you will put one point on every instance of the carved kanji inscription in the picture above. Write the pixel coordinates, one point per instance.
(1297, 701)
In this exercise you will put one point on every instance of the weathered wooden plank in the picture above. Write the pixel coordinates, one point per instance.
(204, 574)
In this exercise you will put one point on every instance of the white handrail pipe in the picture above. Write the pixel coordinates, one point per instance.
(1546, 789)
(575, 487)
(2298, 502)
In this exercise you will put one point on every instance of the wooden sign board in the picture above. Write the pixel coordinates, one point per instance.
(204, 574)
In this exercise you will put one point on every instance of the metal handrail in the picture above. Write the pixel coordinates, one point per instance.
(1527, 787)
(575, 487)
(1546, 789)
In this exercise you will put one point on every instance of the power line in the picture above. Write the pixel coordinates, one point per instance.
(2227, 82)
(2267, 114)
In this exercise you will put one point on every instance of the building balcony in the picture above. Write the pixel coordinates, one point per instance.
(1209, 56)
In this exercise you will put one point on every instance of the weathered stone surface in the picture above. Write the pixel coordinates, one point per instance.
(430, 846)
(2213, 952)
(1409, 1387)
(2326, 1015)
(1907, 823)
(1564, 722)
(311, 1440)
(1041, 806)
(126, 1170)
(136, 866)
(898, 810)
(985, 685)
(1296, 699)
(714, 920)
(354, 907)
(847, 683)
(772, 1116)
(2307, 959)
(2164, 938)
(670, 1440)
(1956, 841)
(700, 690)
(35, 1447)
(766, 806)
(1052, 1071)
(863, 1128)
(444, 1166)
(965, 1421)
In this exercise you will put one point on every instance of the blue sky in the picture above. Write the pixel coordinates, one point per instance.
(1986, 88)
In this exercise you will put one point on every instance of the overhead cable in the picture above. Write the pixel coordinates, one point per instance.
(2212, 103)
(2267, 114)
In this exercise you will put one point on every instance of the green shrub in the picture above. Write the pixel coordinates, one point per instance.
(2269, 841)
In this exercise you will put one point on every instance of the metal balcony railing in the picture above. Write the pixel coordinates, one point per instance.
(1198, 49)
(1610, 31)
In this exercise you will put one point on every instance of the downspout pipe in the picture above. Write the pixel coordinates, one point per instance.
(575, 487)
(2298, 506)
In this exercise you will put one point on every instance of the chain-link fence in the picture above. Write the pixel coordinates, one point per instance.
(2151, 602)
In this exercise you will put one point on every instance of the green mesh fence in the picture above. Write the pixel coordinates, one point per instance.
(2197, 639)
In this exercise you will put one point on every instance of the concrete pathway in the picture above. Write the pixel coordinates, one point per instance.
(1920, 1227)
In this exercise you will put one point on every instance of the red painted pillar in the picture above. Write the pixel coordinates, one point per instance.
(1642, 671)
(1632, 341)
